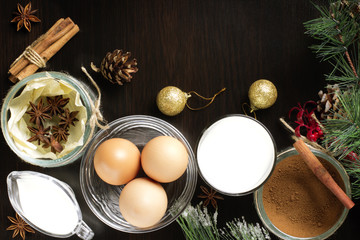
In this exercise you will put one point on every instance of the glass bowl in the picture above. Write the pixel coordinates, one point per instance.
(258, 196)
(87, 96)
(236, 154)
(103, 198)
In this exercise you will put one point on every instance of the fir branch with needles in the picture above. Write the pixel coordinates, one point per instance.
(342, 73)
(342, 135)
(338, 31)
(353, 169)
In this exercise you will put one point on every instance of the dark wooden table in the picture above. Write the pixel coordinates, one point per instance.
(194, 45)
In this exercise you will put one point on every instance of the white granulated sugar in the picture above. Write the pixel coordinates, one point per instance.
(47, 206)
(236, 154)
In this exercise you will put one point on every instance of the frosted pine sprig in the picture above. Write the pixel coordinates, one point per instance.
(240, 230)
(198, 224)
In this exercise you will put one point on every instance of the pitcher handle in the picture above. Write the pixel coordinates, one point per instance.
(84, 231)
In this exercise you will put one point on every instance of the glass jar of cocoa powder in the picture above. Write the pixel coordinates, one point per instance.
(293, 204)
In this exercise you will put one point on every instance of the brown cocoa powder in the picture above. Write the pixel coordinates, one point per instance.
(297, 203)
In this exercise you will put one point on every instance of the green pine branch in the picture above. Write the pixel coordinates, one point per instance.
(353, 169)
(342, 72)
(338, 31)
(342, 135)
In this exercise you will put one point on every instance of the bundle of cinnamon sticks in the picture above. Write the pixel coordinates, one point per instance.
(45, 46)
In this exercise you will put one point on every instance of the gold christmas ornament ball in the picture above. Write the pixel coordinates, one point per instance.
(171, 100)
(262, 94)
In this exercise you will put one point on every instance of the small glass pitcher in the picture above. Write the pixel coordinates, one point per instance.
(47, 204)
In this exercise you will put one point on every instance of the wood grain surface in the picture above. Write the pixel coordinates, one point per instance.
(192, 44)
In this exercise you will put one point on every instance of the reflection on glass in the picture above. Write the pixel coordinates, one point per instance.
(46, 204)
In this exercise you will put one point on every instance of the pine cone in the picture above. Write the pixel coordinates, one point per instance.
(329, 103)
(117, 67)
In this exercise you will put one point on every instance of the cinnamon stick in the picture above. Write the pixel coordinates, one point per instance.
(37, 41)
(15, 66)
(321, 173)
(47, 54)
(57, 31)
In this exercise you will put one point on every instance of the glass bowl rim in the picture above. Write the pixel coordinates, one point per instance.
(219, 119)
(14, 200)
(277, 232)
(188, 190)
(14, 90)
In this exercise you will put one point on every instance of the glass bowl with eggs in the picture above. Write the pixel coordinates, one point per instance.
(138, 175)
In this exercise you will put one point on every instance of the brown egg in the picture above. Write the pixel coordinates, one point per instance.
(117, 161)
(164, 159)
(143, 202)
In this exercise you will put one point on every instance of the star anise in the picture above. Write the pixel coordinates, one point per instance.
(60, 133)
(19, 226)
(68, 118)
(40, 134)
(56, 104)
(55, 145)
(25, 17)
(209, 196)
(38, 113)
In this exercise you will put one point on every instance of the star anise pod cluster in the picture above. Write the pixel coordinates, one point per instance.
(25, 17)
(59, 117)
